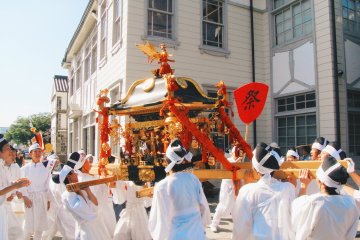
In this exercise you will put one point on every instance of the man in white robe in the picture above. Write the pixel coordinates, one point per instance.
(36, 196)
(227, 194)
(82, 205)
(6, 187)
(179, 208)
(316, 148)
(133, 215)
(328, 214)
(262, 209)
(12, 172)
(105, 213)
(60, 220)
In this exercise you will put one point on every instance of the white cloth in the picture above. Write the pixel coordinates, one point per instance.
(3, 222)
(226, 198)
(105, 210)
(36, 217)
(59, 219)
(327, 217)
(262, 210)
(179, 208)
(3, 212)
(12, 173)
(133, 216)
(84, 212)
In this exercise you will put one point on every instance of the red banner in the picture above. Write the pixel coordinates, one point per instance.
(250, 101)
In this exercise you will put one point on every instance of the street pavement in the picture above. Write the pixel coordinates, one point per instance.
(226, 225)
(224, 230)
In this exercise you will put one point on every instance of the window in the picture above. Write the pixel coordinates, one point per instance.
(94, 53)
(117, 21)
(292, 21)
(103, 30)
(58, 103)
(71, 82)
(354, 122)
(302, 101)
(78, 74)
(351, 15)
(353, 99)
(87, 65)
(296, 130)
(354, 133)
(212, 23)
(160, 18)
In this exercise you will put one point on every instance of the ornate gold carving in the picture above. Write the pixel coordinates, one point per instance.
(146, 174)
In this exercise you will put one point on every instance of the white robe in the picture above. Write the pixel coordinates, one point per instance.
(84, 212)
(262, 210)
(179, 208)
(36, 217)
(3, 212)
(105, 208)
(330, 217)
(133, 216)
(59, 219)
(12, 173)
(226, 199)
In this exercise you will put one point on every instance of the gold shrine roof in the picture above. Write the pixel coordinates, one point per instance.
(146, 96)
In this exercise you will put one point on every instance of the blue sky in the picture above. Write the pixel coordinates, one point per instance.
(34, 35)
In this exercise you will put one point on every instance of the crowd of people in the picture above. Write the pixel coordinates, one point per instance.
(267, 208)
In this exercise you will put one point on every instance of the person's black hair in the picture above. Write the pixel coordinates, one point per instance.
(321, 140)
(75, 156)
(111, 159)
(339, 175)
(2, 143)
(292, 148)
(182, 166)
(138, 183)
(261, 152)
(56, 179)
(331, 190)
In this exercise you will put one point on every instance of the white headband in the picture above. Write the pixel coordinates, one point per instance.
(324, 177)
(333, 152)
(174, 158)
(79, 163)
(319, 146)
(2, 139)
(292, 153)
(259, 165)
(64, 172)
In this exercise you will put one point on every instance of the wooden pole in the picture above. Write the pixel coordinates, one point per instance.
(80, 185)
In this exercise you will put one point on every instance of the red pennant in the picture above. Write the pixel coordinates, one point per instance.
(250, 100)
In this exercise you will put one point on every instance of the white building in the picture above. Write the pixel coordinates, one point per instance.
(59, 123)
(286, 44)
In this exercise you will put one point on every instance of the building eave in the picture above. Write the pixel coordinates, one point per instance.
(86, 24)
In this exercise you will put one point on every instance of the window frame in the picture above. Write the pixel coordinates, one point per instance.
(103, 32)
(78, 73)
(346, 20)
(117, 25)
(212, 50)
(295, 102)
(295, 135)
(150, 33)
(290, 5)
